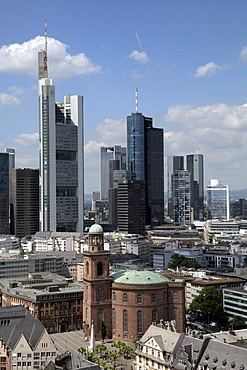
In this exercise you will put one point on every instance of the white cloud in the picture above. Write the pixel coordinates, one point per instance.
(7, 99)
(27, 139)
(17, 90)
(23, 58)
(216, 131)
(209, 69)
(112, 132)
(243, 54)
(139, 56)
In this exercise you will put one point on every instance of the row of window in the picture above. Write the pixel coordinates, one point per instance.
(139, 298)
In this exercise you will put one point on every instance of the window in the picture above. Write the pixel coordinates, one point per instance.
(165, 296)
(139, 322)
(154, 298)
(100, 318)
(139, 298)
(87, 268)
(154, 315)
(113, 296)
(175, 296)
(100, 293)
(125, 321)
(99, 269)
(113, 319)
(125, 298)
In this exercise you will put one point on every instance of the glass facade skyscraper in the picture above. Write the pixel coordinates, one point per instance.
(4, 193)
(195, 167)
(61, 159)
(174, 163)
(218, 201)
(181, 198)
(145, 153)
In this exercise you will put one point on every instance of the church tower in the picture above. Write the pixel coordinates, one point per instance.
(97, 306)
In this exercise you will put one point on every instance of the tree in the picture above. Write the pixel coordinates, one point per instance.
(103, 331)
(238, 322)
(180, 261)
(208, 306)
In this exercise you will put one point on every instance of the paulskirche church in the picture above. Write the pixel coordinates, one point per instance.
(129, 301)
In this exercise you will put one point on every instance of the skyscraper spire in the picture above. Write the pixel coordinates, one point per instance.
(136, 99)
(42, 59)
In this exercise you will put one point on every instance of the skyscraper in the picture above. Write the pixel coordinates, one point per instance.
(4, 193)
(174, 163)
(145, 153)
(195, 167)
(61, 157)
(218, 201)
(181, 197)
(117, 153)
(24, 199)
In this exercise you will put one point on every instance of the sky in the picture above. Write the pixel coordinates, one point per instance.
(188, 59)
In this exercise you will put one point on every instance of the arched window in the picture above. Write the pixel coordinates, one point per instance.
(100, 318)
(154, 298)
(99, 269)
(125, 298)
(86, 313)
(86, 293)
(139, 298)
(87, 268)
(154, 315)
(125, 321)
(100, 294)
(113, 319)
(114, 296)
(165, 296)
(175, 316)
(139, 322)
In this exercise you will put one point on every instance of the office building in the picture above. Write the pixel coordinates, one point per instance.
(218, 201)
(195, 167)
(145, 153)
(61, 157)
(131, 207)
(174, 163)
(235, 301)
(4, 194)
(107, 154)
(24, 199)
(181, 198)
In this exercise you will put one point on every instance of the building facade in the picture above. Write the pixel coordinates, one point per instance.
(61, 159)
(131, 207)
(195, 167)
(145, 152)
(174, 163)
(218, 201)
(24, 199)
(4, 194)
(181, 196)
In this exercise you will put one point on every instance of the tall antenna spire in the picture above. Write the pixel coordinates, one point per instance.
(136, 99)
(45, 50)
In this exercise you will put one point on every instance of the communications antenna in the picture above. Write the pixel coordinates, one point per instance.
(45, 50)
(136, 99)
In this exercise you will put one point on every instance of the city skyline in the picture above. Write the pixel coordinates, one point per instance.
(187, 59)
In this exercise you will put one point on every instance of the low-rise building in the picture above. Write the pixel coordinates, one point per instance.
(56, 301)
(27, 341)
(235, 301)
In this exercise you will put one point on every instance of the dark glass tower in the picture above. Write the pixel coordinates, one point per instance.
(195, 167)
(145, 152)
(4, 193)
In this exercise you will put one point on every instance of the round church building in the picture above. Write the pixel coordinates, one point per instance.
(140, 298)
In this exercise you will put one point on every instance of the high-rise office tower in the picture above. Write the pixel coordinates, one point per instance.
(218, 201)
(145, 153)
(174, 163)
(4, 194)
(131, 207)
(117, 153)
(61, 157)
(24, 199)
(195, 167)
(181, 197)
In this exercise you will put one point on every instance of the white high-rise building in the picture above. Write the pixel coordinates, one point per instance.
(218, 201)
(61, 157)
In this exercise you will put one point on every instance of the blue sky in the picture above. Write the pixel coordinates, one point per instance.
(188, 59)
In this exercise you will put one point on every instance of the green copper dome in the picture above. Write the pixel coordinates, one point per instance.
(95, 229)
(137, 277)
